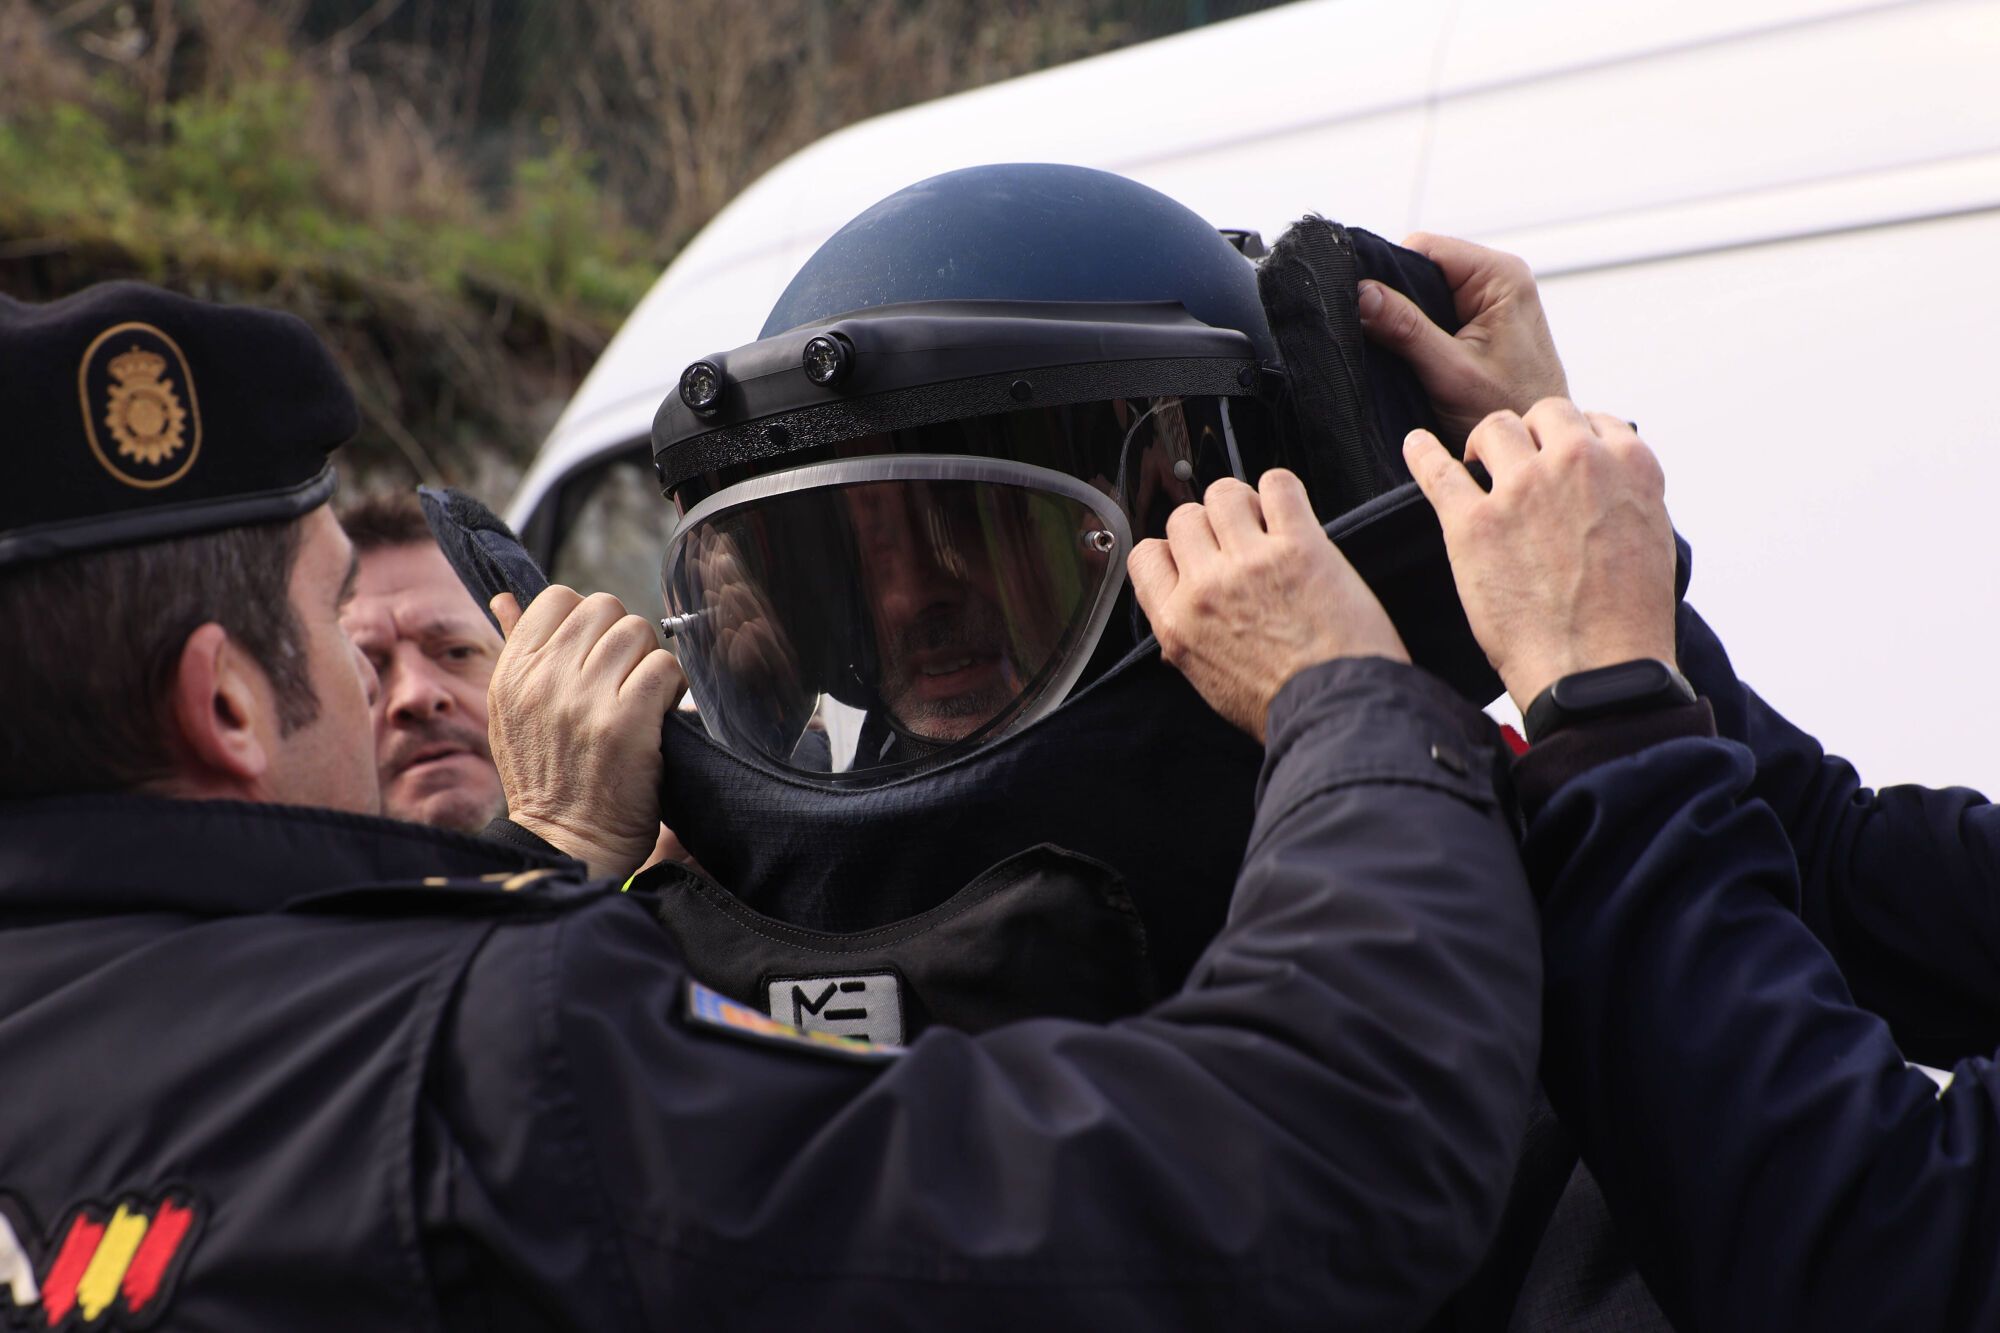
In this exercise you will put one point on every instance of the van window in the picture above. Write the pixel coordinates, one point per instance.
(612, 527)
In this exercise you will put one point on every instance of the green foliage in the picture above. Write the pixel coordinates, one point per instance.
(412, 179)
(222, 179)
(559, 238)
(232, 158)
(62, 163)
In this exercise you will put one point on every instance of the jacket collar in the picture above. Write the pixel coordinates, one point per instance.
(82, 854)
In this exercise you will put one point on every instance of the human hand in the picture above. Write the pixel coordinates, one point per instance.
(1502, 359)
(1569, 563)
(573, 716)
(1247, 591)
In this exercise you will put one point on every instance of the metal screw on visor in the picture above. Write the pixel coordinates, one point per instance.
(1100, 541)
(673, 625)
(828, 358)
(701, 386)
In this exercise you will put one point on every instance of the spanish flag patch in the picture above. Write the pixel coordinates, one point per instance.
(106, 1266)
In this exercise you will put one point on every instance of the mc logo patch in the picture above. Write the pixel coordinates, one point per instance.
(107, 1266)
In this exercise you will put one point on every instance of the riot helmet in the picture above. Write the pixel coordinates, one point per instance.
(904, 511)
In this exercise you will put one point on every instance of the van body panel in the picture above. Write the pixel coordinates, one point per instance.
(1834, 468)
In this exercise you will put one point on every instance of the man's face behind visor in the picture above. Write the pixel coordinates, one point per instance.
(950, 657)
(902, 597)
(867, 614)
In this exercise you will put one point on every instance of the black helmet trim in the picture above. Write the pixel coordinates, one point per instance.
(930, 405)
(922, 363)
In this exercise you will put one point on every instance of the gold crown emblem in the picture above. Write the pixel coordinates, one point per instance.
(144, 414)
(138, 364)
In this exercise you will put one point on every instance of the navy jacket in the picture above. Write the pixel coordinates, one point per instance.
(1770, 1158)
(290, 1069)
(1902, 885)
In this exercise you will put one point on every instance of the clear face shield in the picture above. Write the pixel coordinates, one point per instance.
(861, 617)
(904, 531)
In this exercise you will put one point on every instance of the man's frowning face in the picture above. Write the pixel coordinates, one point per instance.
(434, 651)
(947, 666)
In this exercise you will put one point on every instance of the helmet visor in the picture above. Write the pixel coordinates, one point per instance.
(857, 619)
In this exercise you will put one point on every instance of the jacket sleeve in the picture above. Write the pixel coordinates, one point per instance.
(1770, 1158)
(1319, 1128)
(1903, 885)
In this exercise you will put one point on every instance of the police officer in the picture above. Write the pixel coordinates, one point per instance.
(276, 1062)
(1721, 896)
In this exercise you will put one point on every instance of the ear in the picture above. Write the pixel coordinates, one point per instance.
(219, 708)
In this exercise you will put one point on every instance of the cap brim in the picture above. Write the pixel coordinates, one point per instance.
(138, 526)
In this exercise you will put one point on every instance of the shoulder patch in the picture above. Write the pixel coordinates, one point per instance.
(710, 1010)
(106, 1266)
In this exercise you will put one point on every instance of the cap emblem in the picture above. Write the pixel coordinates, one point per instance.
(128, 382)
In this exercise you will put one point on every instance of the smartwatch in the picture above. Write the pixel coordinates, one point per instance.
(1639, 686)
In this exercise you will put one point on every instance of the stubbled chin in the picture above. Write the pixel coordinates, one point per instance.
(456, 808)
(460, 793)
(953, 718)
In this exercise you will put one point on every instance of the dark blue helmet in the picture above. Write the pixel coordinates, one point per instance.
(905, 510)
(1029, 233)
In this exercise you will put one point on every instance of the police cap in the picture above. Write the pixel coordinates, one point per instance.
(133, 414)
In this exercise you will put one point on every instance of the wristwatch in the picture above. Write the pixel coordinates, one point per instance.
(1639, 686)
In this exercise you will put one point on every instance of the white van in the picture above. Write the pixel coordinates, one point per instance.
(1767, 230)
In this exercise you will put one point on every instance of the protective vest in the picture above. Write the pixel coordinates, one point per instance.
(1076, 868)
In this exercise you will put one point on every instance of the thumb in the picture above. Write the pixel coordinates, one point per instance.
(1392, 320)
(507, 611)
(1154, 574)
(1442, 478)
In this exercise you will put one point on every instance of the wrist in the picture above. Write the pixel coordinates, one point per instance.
(1637, 686)
(605, 858)
(1526, 683)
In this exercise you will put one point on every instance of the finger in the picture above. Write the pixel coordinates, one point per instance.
(655, 685)
(1288, 509)
(1621, 437)
(1191, 536)
(621, 648)
(1613, 430)
(507, 610)
(578, 634)
(1558, 424)
(1502, 443)
(1471, 270)
(1234, 514)
(679, 686)
(1392, 320)
(1442, 478)
(543, 618)
(1153, 573)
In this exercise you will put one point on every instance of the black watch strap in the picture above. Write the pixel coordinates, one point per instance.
(1638, 686)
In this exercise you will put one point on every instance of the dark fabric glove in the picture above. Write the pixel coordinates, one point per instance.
(483, 551)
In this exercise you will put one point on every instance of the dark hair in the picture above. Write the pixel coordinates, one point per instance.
(383, 519)
(96, 640)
